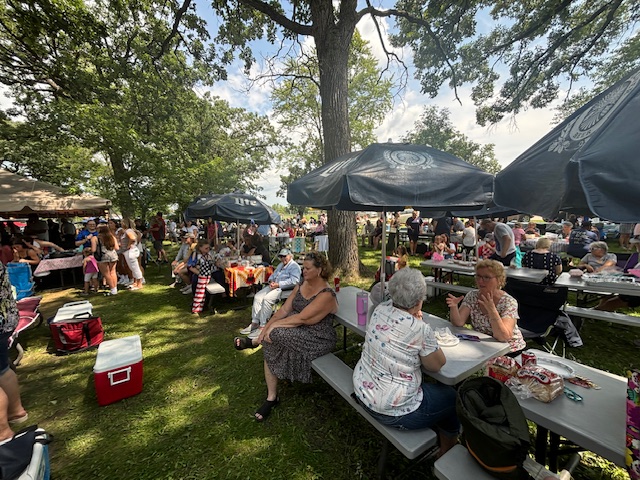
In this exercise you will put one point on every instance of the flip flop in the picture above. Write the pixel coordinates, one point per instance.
(242, 343)
(19, 420)
(265, 409)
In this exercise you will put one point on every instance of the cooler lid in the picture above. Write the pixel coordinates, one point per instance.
(69, 310)
(118, 353)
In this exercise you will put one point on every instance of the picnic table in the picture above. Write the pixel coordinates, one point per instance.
(47, 265)
(463, 359)
(241, 276)
(597, 423)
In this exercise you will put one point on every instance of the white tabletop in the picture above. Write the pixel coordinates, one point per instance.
(598, 423)
(577, 283)
(533, 275)
(463, 359)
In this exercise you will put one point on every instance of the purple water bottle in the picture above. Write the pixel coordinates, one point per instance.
(362, 307)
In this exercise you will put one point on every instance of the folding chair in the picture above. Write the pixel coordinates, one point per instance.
(29, 314)
(539, 307)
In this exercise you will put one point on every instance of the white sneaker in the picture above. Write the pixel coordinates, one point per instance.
(256, 333)
(186, 289)
(248, 329)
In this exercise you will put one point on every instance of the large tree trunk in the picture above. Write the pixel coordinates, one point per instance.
(123, 198)
(332, 44)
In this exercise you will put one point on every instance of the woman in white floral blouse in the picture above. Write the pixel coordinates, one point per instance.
(387, 380)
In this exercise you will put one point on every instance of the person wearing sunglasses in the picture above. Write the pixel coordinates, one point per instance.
(489, 308)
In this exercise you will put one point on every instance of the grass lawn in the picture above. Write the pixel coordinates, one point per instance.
(194, 418)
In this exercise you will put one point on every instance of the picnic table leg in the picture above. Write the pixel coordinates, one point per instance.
(541, 445)
(382, 460)
(554, 449)
(344, 338)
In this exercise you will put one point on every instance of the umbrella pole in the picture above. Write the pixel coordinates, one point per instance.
(238, 236)
(475, 226)
(384, 252)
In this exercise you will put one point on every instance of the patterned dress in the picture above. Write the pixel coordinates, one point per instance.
(291, 351)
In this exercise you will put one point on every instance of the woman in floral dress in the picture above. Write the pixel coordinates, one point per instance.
(299, 332)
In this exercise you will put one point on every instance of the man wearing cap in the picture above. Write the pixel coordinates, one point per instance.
(285, 277)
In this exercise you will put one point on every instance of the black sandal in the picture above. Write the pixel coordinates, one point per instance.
(265, 409)
(241, 343)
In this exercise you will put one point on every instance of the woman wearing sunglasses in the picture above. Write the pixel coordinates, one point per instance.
(491, 310)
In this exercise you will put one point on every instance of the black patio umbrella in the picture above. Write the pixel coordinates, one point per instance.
(232, 207)
(392, 176)
(587, 164)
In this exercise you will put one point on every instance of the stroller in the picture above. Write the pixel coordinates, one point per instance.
(541, 315)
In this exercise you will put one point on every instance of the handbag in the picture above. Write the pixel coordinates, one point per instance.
(77, 334)
(16, 454)
(98, 253)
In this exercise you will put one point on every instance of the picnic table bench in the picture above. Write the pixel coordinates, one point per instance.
(612, 317)
(447, 286)
(411, 443)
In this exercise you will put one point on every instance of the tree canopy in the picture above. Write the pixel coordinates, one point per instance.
(297, 106)
(436, 129)
(115, 80)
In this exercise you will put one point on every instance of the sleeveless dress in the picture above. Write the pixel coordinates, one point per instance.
(291, 351)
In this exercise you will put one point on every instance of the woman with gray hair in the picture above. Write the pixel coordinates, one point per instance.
(598, 259)
(388, 378)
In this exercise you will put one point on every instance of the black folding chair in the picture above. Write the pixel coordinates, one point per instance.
(539, 307)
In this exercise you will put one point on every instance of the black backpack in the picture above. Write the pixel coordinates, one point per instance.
(495, 430)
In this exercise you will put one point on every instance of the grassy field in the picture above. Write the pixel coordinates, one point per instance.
(194, 418)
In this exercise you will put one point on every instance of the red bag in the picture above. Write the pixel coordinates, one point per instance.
(77, 334)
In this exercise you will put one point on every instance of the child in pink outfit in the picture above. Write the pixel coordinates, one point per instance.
(518, 234)
(90, 270)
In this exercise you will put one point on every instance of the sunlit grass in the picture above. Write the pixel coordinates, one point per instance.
(194, 418)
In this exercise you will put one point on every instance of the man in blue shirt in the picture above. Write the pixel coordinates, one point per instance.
(579, 240)
(285, 277)
(84, 237)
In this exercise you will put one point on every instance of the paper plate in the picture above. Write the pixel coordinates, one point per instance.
(448, 340)
(556, 366)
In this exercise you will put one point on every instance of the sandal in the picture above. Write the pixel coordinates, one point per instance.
(242, 343)
(265, 409)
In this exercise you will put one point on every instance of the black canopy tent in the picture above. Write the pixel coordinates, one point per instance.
(587, 164)
(392, 176)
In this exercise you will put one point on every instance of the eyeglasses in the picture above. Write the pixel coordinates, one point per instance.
(484, 278)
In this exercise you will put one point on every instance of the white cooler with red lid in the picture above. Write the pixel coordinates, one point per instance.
(118, 370)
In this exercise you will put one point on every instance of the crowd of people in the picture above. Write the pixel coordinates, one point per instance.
(398, 346)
